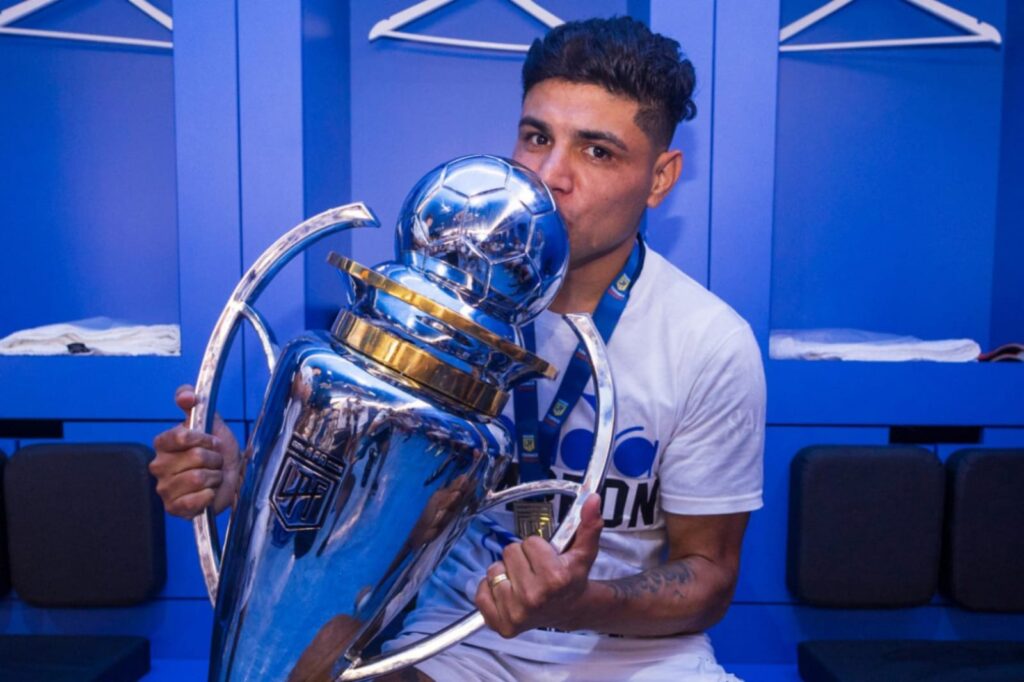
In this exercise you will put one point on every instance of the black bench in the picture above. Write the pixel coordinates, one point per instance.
(885, 527)
(85, 529)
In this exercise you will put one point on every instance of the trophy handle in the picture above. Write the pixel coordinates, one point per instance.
(604, 430)
(238, 308)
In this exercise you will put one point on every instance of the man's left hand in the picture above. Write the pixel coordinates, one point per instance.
(543, 588)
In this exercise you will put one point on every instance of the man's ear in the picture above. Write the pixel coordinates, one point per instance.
(667, 168)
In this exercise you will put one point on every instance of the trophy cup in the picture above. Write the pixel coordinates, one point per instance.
(379, 439)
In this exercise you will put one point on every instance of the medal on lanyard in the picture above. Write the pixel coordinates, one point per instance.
(534, 517)
(538, 439)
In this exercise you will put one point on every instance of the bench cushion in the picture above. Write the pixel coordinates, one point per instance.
(985, 530)
(865, 526)
(65, 658)
(85, 526)
(910, 661)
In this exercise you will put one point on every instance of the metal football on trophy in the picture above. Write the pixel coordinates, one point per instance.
(379, 439)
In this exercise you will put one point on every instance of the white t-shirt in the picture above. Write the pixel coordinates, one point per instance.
(689, 437)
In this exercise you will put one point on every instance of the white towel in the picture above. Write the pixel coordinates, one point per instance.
(856, 344)
(98, 335)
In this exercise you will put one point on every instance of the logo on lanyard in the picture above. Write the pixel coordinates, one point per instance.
(619, 290)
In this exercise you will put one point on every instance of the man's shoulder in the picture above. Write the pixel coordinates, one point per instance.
(673, 297)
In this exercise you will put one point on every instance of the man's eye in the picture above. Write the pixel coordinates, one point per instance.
(536, 138)
(597, 152)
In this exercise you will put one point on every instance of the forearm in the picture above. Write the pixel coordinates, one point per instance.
(686, 595)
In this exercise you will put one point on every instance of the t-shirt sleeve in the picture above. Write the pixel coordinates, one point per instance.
(714, 463)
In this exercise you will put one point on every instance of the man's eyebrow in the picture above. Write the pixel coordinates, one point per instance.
(535, 123)
(602, 136)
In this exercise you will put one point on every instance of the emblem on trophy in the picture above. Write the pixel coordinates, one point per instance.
(379, 439)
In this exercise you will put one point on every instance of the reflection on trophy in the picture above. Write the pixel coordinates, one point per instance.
(379, 439)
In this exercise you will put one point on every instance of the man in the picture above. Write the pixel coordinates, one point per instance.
(655, 561)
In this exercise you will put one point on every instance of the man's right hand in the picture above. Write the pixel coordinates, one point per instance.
(195, 470)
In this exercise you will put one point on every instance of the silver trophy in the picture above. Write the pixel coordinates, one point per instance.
(379, 439)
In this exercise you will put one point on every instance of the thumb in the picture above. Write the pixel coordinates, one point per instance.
(588, 535)
(185, 398)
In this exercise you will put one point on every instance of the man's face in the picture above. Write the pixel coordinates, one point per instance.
(584, 143)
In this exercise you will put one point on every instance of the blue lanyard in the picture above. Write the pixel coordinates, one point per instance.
(537, 439)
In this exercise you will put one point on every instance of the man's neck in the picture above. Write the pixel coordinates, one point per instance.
(586, 283)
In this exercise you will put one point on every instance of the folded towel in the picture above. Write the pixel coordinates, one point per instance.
(94, 336)
(856, 344)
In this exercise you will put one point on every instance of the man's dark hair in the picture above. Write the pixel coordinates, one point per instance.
(623, 56)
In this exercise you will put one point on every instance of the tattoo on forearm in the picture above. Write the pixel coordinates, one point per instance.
(667, 581)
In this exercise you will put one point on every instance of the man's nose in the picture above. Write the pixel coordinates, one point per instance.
(556, 172)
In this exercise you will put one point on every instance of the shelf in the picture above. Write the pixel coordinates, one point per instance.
(142, 387)
(888, 393)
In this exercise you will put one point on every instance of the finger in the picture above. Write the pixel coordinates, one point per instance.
(502, 595)
(495, 569)
(189, 506)
(488, 607)
(527, 584)
(543, 558)
(168, 464)
(188, 482)
(185, 398)
(585, 543)
(533, 581)
(171, 464)
(522, 592)
(499, 597)
(516, 564)
(521, 574)
(182, 438)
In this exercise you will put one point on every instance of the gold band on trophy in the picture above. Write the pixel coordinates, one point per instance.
(416, 364)
(446, 315)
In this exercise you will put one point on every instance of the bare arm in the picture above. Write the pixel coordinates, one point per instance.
(688, 593)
